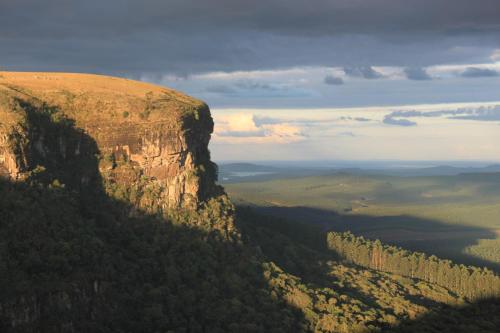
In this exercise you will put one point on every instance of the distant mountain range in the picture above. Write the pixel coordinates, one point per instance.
(231, 172)
(441, 170)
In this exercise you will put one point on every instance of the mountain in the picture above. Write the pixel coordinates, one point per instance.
(139, 131)
(111, 221)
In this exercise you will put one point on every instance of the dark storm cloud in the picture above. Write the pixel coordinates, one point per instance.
(474, 72)
(333, 80)
(417, 74)
(315, 17)
(188, 36)
(366, 72)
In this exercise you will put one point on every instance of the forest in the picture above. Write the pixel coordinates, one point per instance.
(470, 282)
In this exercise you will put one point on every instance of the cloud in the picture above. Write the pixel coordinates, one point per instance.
(251, 85)
(417, 74)
(227, 41)
(437, 135)
(347, 134)
(362, 119)
(304, 87)
(366, 72)
(298, 121)
(220, 89)
(313, 122)
(413, 113)
(495, 55)
(481, 113)
(475, 72)
(359, 119)
(398, 121)
(253, 89)
(283, 126)
(244, 128)
(129, 37)
(238, 134)
(333, 80)
(118, 17)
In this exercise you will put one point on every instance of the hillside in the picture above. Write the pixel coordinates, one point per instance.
(111, 221)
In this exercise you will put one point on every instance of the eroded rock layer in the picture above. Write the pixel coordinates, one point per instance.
(149, 143)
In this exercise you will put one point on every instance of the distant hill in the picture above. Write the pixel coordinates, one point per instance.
(235, 172)
(246, 167)
(443, 170)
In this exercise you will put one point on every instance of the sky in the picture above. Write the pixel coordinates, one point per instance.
(291, 80)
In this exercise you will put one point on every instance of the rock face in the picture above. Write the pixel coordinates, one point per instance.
(148, 144)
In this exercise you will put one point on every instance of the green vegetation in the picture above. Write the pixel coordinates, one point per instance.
(92, 268)
(68, 265)
(487, 249)
(471, 200)
(341, 297)
(455, 217)
(469, 282)
(64, 268)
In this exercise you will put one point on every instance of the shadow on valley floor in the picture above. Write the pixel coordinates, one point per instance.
(413, 233)
(483, 316)
(304, 259)
(300, 250)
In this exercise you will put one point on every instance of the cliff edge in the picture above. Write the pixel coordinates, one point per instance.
(150, 143)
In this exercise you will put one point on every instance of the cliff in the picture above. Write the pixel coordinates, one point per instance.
(147, 144)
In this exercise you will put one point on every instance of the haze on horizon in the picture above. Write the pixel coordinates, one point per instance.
(294, 80)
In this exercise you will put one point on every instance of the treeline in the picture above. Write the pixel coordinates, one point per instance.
(470, 282)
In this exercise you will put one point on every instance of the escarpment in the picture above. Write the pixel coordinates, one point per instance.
(147, 144)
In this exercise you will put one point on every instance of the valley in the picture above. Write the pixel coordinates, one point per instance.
(454, 216)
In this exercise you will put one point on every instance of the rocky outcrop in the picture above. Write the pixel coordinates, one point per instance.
(147, 144)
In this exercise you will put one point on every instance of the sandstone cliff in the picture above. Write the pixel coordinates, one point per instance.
(149, 144)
